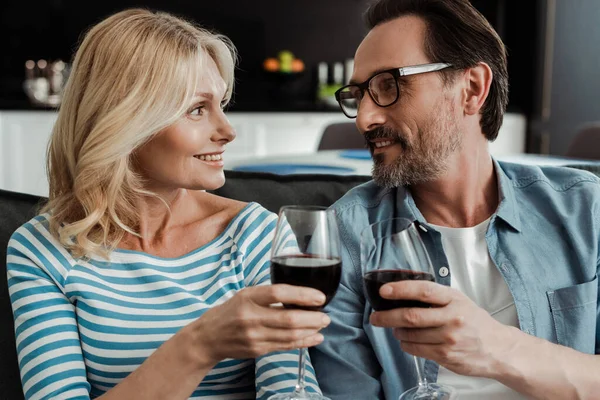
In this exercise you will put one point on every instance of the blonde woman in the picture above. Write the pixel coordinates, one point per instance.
(134, 282)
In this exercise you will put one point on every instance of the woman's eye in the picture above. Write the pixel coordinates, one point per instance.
(197, 111)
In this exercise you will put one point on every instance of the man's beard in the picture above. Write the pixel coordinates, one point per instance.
(424, 158)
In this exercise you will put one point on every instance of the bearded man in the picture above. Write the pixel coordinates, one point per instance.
(515, 308)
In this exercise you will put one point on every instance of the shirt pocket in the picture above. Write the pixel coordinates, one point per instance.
(574, 315)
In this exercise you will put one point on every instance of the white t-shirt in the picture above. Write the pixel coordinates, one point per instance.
(474, 274)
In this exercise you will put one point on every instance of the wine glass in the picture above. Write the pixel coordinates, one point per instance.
(392, 250)
(306, 252)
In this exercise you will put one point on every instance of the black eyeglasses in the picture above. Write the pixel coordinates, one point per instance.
(382, 87)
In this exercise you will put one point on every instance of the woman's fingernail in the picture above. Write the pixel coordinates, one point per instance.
(325, 320)
(320, 299)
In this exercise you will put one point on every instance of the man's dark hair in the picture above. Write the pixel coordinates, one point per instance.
(457, 34)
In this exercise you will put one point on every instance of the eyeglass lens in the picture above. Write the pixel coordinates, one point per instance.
(383, 89)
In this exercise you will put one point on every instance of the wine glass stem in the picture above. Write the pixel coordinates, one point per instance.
(420, 373)
(301, 369)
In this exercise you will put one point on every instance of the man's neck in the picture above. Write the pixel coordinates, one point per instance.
(465, 196)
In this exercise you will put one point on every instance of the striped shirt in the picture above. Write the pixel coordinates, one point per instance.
(82, 326)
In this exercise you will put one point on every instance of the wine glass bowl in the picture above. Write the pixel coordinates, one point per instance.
(391, 250)
(310, 271)
(374, 280)
(306, 252)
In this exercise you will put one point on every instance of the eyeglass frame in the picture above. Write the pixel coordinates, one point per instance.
(396, 73)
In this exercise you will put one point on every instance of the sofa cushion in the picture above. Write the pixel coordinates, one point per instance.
(272, 191)
(15, 210)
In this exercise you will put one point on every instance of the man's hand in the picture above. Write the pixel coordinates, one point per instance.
(454, 332)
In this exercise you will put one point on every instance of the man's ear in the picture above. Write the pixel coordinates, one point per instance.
(478, 80)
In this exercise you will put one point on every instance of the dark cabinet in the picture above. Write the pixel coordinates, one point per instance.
(568, 73)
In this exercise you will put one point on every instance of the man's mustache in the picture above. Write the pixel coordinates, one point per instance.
(383, 132)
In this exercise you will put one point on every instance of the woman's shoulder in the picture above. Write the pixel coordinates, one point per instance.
(34, 241)
(35, 229)
(248, 222)
(235, 210)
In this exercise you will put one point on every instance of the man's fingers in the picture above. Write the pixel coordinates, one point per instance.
(426, 292)
(422, 335)
(412, 317)
(434, 352)
(286, 294)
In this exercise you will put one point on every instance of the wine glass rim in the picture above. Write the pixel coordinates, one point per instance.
(369, 228)
(307, 208)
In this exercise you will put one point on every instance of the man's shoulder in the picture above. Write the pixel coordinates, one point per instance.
(551, 178)
(364, 196)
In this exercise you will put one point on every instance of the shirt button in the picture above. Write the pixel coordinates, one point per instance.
(444, 271)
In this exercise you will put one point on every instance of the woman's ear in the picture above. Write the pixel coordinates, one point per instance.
(478, 82)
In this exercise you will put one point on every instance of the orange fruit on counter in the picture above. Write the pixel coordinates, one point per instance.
(271, 65)
(297, 65)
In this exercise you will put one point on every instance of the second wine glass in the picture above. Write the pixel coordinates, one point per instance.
(306, 252)
(391, 250)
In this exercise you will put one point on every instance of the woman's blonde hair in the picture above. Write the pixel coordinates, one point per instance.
(133, 75)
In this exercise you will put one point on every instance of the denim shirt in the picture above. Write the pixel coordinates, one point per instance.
(543, 238)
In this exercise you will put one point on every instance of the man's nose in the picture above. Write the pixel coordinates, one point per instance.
(370, 115)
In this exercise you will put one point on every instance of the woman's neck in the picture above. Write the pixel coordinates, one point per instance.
(157, 215)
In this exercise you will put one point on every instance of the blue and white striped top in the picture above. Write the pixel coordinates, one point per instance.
(83, 326)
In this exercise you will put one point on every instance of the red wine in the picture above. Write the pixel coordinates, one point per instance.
(374, 280)
(305, 270)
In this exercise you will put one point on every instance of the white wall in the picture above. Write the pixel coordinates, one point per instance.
(24, 136)
(23, 139)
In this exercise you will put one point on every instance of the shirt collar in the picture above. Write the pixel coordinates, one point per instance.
(507, 206)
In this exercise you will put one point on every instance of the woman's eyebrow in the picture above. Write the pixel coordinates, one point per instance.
(204, 94)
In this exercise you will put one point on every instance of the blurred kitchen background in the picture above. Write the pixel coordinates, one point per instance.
(293, 55)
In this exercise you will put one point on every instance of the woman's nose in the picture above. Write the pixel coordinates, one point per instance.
(225, 131)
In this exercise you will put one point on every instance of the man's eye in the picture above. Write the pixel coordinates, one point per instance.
(356, 94)
(388, 84)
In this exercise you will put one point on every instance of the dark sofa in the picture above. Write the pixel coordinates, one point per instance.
(272, 191)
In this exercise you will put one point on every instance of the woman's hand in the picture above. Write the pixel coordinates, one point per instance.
(249, 325)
